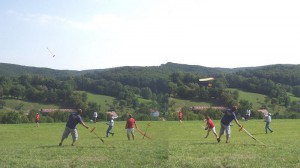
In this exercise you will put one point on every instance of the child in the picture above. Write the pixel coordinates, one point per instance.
(210, 126)
(37, 119)
(110, 126)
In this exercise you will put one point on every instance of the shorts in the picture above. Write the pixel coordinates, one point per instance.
(73, 132)
(213, 130)
(225, 128)
(130, 131)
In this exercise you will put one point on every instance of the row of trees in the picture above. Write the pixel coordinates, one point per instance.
(154, 84)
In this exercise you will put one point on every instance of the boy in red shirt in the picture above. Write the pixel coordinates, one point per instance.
(37, 119)
(130, 124)
(180, 116)
(210, 126)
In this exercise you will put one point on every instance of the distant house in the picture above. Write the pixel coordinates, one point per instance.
(60, 110)
(154, 113)
(199, 108)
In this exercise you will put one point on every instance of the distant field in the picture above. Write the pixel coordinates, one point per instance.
(102, 100)
(293, 98)
(20, 105)
(172, 145)
(189, 103)
(256, 99)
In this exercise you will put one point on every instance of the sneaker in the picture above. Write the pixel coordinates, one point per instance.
(113, 134)
(218, 139)
(60, 144)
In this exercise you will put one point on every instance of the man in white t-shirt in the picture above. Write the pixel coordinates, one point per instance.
(95, 115)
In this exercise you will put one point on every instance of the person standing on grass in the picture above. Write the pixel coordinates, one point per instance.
(180, 116)
(268, 121)
(210, 126)
(110, 124)
(248, 113)
(130, 124)
(73, 120)
(37, 119)
(95, 115)
(228, 116)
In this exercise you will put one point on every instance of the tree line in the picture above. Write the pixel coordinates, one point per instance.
(156, 84)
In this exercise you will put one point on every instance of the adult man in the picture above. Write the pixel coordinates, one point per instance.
(268, 121)
(248, 113)
(95, 115)
(130, 124)
(229, 115)
(73, 120)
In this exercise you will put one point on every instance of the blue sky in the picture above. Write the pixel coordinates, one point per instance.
(98, 34)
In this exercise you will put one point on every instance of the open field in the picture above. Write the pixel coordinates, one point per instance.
(24, 106)
(172, 145)
(102, 100)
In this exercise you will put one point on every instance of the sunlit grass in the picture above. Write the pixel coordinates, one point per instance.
(172, 145)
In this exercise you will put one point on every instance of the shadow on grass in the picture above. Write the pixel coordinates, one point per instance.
(205, 143)
(258, 133)
(231, 144)
(77, 146)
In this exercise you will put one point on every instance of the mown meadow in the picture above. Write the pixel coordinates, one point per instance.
(171, 145)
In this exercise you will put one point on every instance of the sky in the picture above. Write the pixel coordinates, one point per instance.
(100, 34)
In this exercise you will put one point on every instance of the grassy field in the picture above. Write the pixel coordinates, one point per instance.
(102, 100)
(256, 99)
(172, 145)
(24, 106)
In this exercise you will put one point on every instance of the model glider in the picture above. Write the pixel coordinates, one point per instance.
(53, 55)
(142, 133)
(249, 134)
(93, 131)
(206, 79)
(148, 125)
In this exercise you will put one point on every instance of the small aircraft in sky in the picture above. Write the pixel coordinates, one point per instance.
(53, 55)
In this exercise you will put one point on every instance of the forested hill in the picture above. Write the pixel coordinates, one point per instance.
(282, 73)
(285, 74)
(154, 71)
(174, 67)
(17, 70)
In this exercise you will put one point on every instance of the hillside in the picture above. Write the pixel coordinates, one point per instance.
(178, 82)
(163, 69)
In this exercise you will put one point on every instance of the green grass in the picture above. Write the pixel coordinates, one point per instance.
(24, 106)
(256, 99)
(172, 145)
(178, 103)
(102, 100)
(293, 97)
